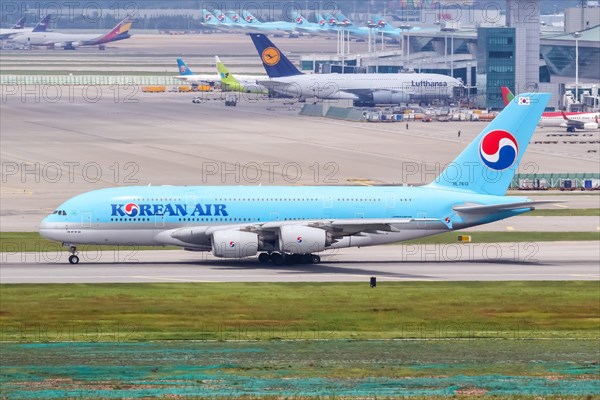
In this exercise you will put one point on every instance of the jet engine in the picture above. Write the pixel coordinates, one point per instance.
(234, 244)
(303, 239)
(387, 97)
(590, 126)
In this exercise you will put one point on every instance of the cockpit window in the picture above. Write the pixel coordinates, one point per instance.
(60, 212)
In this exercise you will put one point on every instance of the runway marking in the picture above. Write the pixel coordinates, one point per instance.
(560, 205)
(585, 276)
(158, 278)
(15, 191)
(510, 228)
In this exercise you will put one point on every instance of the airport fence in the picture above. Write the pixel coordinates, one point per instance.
(81, 80)
(561, 181)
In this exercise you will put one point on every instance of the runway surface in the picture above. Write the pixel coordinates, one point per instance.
(449, 262)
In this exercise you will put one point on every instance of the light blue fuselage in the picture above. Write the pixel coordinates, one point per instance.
(100, 217)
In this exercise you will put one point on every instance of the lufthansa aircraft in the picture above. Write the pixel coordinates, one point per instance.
(287, 80)
(294, 223)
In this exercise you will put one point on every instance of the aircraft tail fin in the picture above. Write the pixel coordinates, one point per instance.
(507, 95)
(43, 24)
(20, 24)
(183, 68)
(320, 20)
(207, 17)
(235, 17)
(381, 23)
(227, 79)
(275, 62)
(251, 19)
(297, 18)
(119, 32)
(489, 162)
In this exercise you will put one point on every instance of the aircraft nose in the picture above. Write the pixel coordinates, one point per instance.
(49, 230)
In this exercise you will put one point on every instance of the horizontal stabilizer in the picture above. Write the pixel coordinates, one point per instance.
(479, 209)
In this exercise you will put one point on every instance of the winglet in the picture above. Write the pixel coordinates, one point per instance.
(564, 116)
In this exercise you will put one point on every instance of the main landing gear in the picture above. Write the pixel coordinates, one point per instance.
(73, 259)
(289, 259)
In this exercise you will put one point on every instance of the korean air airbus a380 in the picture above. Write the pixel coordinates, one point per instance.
(294, 223)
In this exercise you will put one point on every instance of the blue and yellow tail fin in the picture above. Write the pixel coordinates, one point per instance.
(275, 62)
(488, 164)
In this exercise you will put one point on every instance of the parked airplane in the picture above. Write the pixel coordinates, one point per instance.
(19, 28)
(560, 119)
(70, 41)
(209, 21)
(294, 223)
(235, 84)
(310, 28)
(276, 27)
(287, 80)
(187, 75)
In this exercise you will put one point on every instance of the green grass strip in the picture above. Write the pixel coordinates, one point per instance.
(565, 212)
(271, 311)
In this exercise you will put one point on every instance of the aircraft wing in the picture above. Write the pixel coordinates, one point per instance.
(487, 209)
(573, 123)
(276, 85)
(200, 236)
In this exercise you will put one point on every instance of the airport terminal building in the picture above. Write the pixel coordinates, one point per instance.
(515, 49)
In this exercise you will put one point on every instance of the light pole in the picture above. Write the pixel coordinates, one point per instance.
(468, 83)
(451, 30)
(576, 35)
(371, 25)
(342, 34)
(452, 53)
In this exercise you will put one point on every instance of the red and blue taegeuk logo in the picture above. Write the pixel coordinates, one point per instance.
(132, 209)
(498, 150)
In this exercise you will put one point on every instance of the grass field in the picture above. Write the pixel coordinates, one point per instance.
(509, 340)
(32, 241)
(270, 311)
(565, 212)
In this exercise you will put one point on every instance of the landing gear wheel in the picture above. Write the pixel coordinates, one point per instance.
(306, 259)
(277, 259)
(264, 258)
(315, 259)
(292, 259)
(73, 259)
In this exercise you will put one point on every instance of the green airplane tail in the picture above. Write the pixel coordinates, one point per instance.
(228, 81)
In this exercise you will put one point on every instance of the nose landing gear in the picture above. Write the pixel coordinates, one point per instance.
(73, 258)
